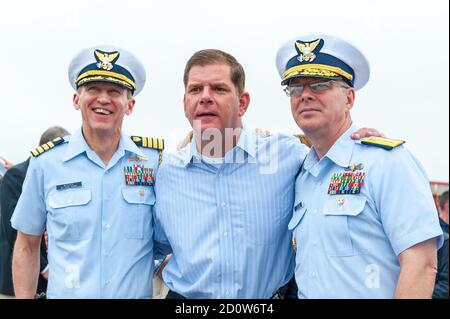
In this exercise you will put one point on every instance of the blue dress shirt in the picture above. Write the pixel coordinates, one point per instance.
(227, 223)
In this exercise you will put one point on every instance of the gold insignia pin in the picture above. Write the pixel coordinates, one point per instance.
(341, 201)
(355, 167)
(141, 192)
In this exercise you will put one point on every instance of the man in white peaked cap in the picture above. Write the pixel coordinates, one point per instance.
(93, 191)
(364, 220)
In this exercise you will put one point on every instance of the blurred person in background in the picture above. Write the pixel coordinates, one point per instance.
(10, 191)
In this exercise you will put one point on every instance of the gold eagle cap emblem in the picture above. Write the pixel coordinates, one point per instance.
(306, 50)
(106, 59)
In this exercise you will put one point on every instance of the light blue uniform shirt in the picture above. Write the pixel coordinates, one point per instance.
(100, 232)
(227, 224)
(347, 245)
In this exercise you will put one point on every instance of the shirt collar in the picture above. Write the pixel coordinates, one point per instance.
(340, 153)
(77, 145)
(246, 143)
(189, 152)
(126, 144)
(311, 159)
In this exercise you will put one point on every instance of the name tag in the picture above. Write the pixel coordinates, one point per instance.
(68, 186)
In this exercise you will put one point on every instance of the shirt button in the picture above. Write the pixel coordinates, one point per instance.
(69, 201)
(223, 204)
(227, 263)
(227, 294)
(315, 211)
(107, 226)
(108, 282)
(225, 234)
(314, 243)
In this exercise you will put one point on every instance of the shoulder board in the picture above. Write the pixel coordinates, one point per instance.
(47, 146)
(148, 142)
(383, 142)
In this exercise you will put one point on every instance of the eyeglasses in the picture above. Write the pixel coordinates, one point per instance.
(317, 87)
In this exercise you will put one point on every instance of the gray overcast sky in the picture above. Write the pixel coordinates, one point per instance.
(405, 41)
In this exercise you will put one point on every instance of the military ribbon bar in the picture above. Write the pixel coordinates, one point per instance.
(138, 175)
(346, 183)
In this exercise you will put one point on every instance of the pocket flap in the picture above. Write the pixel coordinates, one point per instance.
(139, 195)
(349, 205)
(299, 212)
(67, 198)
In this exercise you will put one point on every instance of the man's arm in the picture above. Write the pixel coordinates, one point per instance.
(359, 134)
(417, 271)
(26, 265)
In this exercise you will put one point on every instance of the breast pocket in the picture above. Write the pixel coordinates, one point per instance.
(65, 208)
(138, 215)
(338, 210)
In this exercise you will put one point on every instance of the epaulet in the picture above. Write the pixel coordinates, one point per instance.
(383, 142)
(47, 146)
(148, 142)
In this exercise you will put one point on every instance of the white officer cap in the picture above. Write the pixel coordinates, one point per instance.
(105, 63)
(322, 56)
